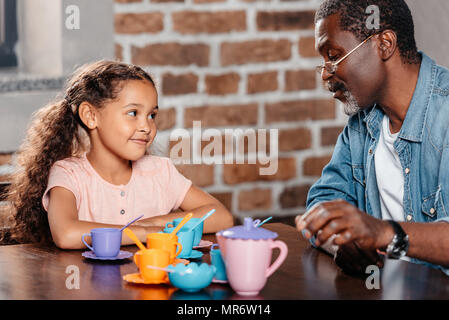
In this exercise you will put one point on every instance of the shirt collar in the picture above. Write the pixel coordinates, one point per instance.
(413, 127)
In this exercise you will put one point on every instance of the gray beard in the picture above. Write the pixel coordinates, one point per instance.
(351, 107)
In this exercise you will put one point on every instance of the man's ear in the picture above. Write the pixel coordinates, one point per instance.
(387, 44)
(88, 115)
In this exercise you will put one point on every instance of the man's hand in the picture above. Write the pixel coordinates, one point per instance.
(348, 223)
(353, 260)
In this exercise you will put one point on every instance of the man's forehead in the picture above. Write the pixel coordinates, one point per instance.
(326, 30)
(329, 34)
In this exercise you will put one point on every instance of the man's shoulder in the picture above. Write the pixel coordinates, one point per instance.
(441, 86)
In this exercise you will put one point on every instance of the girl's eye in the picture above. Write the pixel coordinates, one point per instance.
(333, 58)
(152, 116)
(132, 113)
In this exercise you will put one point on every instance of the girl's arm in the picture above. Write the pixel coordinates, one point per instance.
(199, 203)
(67, 230)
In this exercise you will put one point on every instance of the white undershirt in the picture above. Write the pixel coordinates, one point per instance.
(390, 180)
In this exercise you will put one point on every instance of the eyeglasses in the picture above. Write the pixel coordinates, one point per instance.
(331, 67)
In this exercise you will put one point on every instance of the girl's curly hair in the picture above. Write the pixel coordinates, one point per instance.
(57, 132)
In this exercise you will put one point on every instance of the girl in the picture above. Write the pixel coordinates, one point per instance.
(84, 165)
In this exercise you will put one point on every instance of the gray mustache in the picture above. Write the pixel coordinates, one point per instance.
(334, 87)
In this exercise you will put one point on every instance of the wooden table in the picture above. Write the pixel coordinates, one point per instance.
(36, 272)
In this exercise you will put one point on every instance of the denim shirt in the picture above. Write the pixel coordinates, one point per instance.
(422, 146)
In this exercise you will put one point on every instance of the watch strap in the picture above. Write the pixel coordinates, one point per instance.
(398, 246)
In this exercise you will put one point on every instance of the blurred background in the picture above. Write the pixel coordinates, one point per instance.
(230, 64)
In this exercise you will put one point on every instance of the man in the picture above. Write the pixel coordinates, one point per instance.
(385, 191)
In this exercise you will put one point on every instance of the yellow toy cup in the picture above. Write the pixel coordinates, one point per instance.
(165, 241)
(152, 257)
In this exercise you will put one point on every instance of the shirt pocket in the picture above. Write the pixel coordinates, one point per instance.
(433, 206)
(358, 173)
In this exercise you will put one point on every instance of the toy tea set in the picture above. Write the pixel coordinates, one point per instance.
(242, 259)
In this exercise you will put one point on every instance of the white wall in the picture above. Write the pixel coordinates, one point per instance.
(431, 19)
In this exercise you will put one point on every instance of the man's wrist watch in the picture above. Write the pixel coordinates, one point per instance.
(398, 246)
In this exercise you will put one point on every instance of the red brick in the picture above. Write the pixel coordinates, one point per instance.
(166, 119)
(202, 175)
(295, 139)
(164, 1)
(285, 20)
(329, 135)
(230, 145)
(313, 166)
(221, 116)
(307, 47)
(187, 147)
(192, 22)
(222, 84)
(174, 54)
(295, 196)
(207, 1)
(179, 84)
(5, 158)
(256, 51)
(225, 198)
(131, 23)
(118, 52)
(300, 80)
(127, 1)
(262, 82)
(299, 110)
(256, 199)
(240, 173)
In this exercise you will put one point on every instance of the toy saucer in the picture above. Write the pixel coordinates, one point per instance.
(219, 281)
(194, 255)
(137, 278)
(121, 255)
(203, 244)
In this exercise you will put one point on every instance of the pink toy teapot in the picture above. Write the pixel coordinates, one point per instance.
(247, 252)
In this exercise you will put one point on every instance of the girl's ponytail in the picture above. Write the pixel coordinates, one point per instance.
(52, 136)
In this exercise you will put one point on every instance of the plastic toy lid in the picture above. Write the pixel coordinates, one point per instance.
(248, 231)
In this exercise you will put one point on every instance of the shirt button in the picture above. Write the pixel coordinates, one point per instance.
(409, 217)
(432, 210)
(370, 151)
(122, 193)
(407, 170)
(122, 211)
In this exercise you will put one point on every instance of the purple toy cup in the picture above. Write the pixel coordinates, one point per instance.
(106, 242)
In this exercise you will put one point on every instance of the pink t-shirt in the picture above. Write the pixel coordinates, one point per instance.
(155, 188)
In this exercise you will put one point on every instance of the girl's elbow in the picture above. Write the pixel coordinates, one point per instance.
(228, 220)
(67, 240)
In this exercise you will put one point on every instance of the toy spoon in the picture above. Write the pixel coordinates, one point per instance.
(168, 270)
(261, 223)
(127, 225)
(207, 215)
(181, 224)
(133, 237)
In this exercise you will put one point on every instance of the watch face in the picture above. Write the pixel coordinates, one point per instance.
(398, 246)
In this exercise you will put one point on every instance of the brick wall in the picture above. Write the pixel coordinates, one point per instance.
(237, 64)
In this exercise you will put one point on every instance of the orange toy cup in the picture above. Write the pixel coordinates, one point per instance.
(152, 257)
(164, 241)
